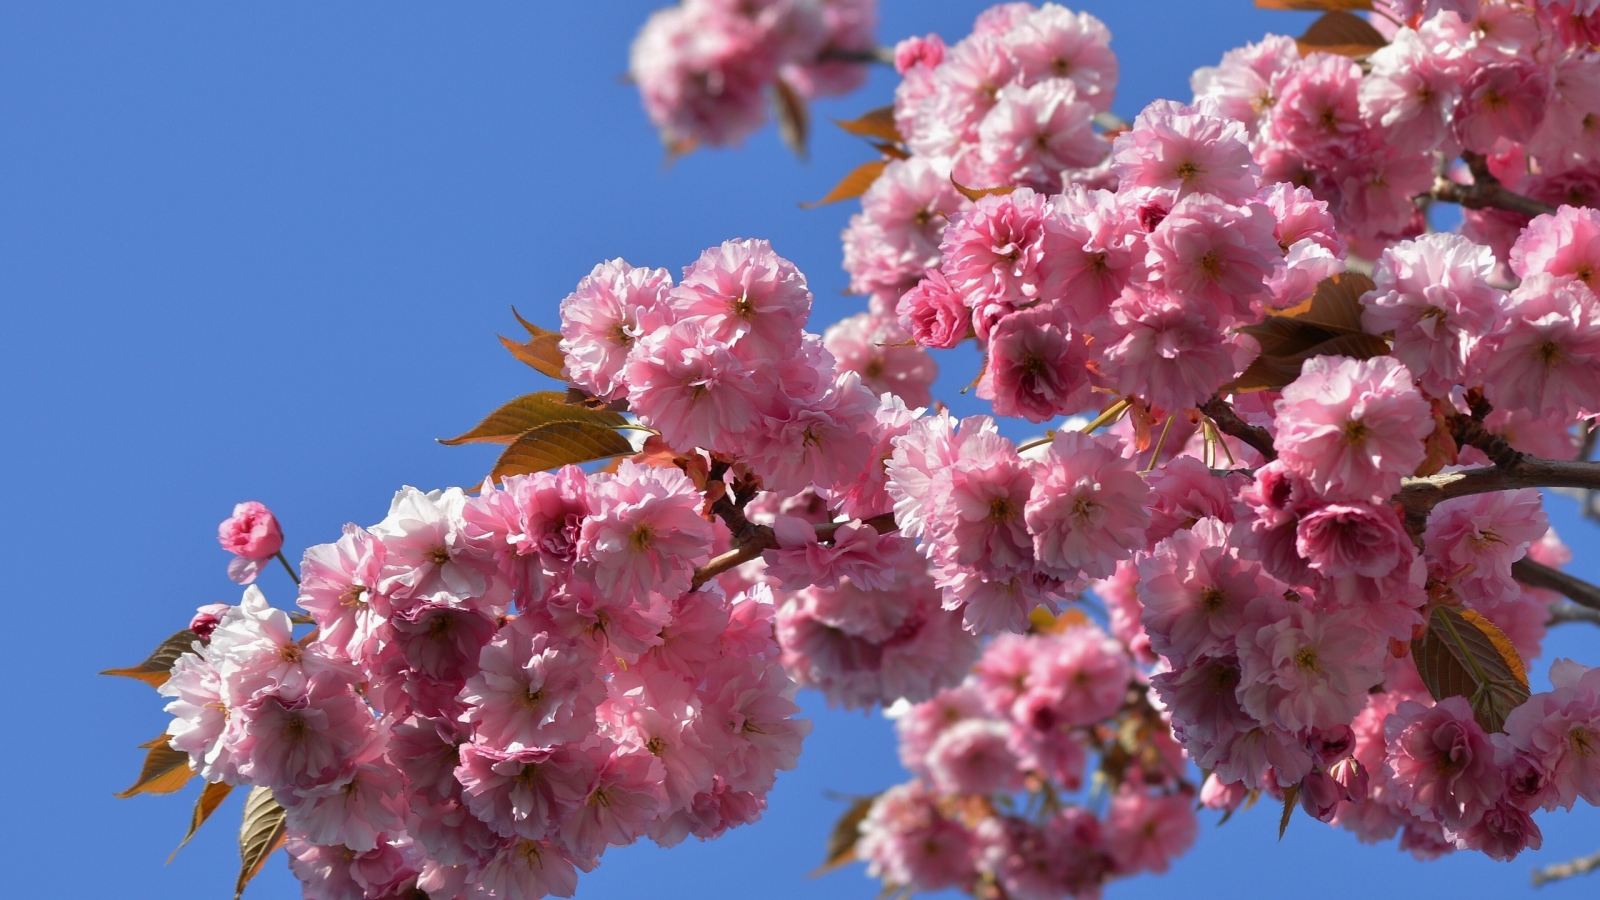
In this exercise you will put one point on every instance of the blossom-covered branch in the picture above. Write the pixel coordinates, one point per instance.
(761, 538)
(1221, 413)
(1421, 494)
(1580, 866)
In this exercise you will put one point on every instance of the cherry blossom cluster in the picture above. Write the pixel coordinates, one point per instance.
(997, 762)
(1013, 103)
(1515, 83)
(705, 67)
(499, 687)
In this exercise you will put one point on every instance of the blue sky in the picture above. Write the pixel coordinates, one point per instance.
(261, 251)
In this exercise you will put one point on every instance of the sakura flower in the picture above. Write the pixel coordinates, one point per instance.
(1215, 253)
(745, 296)
(1441, 765)
(1557, 732)
(1434, 294)
(906, 840)
(200, 716)
(1183, 150)
(1079, 678)
(1300, 669)
(611, 308)
(1170, 352)
(1476, 539)
(646, 533)
(1503, 100)
(1565, 244)
(424, 550)
(692, 388)
(933, 313)
(1145, 832)
(1353, 428)
(1546, 351)
(532, 689)
(874, 348)
(1000, 255)
(1318, 109)
(623, 797)
(1194, 589)
(1036, 366)
(974, 757)
(1034, 134)
(523, 869)
(1055, 42)
(338, 584)
(253, 536)
(1086, 508)
(356, 814)
(525, 793)
(301, 737)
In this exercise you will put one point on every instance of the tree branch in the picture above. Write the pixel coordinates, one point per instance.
(1221, 413)
(1563, 613)
(1539, 575)
(761, 538)
(1486, 191)
(884, 55)
(1579, 866)
(1420, 495)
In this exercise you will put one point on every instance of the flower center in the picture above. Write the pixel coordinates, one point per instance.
(437, 555)
(642, 535)
(1355, 432)
(1305, 659)
(1001, 509)
(1582, 741)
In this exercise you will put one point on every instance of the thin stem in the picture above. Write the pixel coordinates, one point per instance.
(1580, 866)
(1107, 416)
(288, 568)
(1539, 575)
(1420, 495)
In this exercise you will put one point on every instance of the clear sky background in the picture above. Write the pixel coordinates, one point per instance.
(261, 251)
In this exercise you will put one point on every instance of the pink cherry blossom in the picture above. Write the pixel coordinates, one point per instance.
(646, 533)
(252, 535)
(611, 308)
(1546, 350)
(1565, 244)
(1476, 539)
(1086, 510)
(1300, 669)
(1183, 150)
(1212, 252)
(1353, 428)
(906, 840)
(1055, 42)
(532, 689)
(745, 296)
(933, 312)
(1441, 765)
(1036, 366)
(1145, 832)
(1000, 255)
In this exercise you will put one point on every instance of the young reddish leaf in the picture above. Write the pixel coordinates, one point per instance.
(558, 444)
(794, 118)
(1040, 621)
(853, 185)
(976, 194)
(1342, 33)
(528, 412)
(842, 840)
(210, 798)
(261, 832)
(890, 151)
(1463, 655)
(542, 350)
(158, 665)
(1314, 5)
(1328, 323)
(165, 770)
(874, 123)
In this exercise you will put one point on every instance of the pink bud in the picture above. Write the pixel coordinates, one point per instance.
(1332, 744)
(1320, 795)
(252, 532)
(1352, 778)
(1216, 795)
(914, 51)
(206, 619)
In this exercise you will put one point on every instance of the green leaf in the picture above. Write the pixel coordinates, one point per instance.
(853, 185)
(261, 832)
(560, 444)
(1462, 654)
(1291, 799)
(530, 411)
(158, 665)
(842, 840)
(1342, 33)
(210, 798)
(542, 351)
(794, 118)
(874, 123)
(165, 770)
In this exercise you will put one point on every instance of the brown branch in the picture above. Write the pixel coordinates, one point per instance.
(884, 55)
(762, 538)
(1486, 191)
(1420, 495)
(1564, 612)
(1539, 575)
(1579, 866)
(1221, 413)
